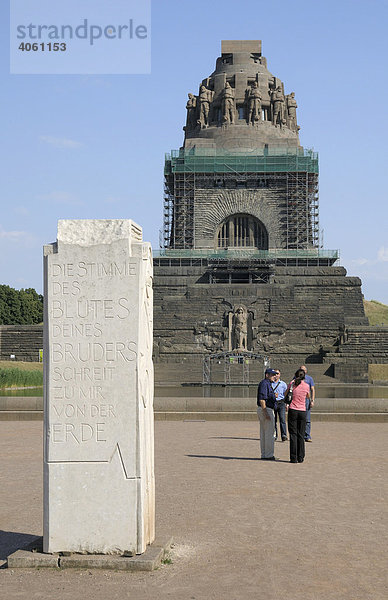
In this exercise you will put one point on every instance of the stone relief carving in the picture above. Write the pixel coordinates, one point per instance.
(209, 336)
(228, 105)
(191, 108)
(271, 340)
(205, 98)
(213, 341)
(277, 100)
(254, 103)
(242, 328)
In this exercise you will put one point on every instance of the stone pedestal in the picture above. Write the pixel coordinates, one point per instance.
(98, 455)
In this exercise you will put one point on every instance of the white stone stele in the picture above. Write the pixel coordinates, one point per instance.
(98, 393)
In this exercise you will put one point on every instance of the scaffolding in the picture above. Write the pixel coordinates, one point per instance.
(302, 210)
(293, 174)
(253, 266)
(226, 361)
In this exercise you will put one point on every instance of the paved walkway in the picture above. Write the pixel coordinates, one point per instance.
(243, 528)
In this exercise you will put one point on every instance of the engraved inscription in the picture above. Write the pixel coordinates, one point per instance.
(78, 432)
(90, 352)
(83, 373)
(91, 309)
(93, 269)
(72, 330)
(93, 351)
(84, 410)
(69, 392)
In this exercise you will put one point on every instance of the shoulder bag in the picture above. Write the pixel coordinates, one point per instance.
(288, 399)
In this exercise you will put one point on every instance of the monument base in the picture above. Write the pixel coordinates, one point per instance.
(32, 557)
(295, 314)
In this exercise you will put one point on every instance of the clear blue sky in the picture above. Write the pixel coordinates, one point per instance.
(93, 146)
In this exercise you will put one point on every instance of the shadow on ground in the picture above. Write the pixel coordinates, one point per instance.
(230, 457)
(10, 541)
(234, 438)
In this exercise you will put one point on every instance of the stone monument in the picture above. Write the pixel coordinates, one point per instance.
(242, 267)
(98, 454)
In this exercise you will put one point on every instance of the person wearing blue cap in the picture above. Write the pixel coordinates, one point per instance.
(266, 403)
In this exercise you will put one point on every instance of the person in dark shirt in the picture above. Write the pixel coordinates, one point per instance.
(266, 402)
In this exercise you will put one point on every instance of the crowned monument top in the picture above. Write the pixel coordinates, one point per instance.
(241, 106)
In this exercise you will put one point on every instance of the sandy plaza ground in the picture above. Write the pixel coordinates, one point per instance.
(243, 528)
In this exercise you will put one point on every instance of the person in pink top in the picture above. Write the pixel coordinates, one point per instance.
(297, 415)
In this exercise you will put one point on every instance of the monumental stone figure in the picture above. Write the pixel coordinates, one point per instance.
(228, 104)
(277, 99)
(205, 98)
(98, 455)
(191, 108)
(254, 103)
(291, 111)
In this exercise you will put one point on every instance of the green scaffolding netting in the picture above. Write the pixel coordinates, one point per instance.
(274, 161)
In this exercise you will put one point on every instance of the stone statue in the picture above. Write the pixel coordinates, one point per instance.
(238, 329)
(205, 97)
(228, 104)
(343, 334)
(277, 100)
(254, 103)
(291, 111)
(191, 108)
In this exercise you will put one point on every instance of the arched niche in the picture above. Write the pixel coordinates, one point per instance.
(242, 231)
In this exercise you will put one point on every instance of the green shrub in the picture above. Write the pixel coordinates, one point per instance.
(20, 307)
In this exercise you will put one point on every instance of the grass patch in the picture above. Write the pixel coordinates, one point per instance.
(378, 372)
(20, 374)
(22, 366)
(376, 312)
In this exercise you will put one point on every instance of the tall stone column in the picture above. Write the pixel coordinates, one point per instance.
(98, 424)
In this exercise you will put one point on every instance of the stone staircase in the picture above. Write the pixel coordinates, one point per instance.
(22, 341)
(363, 346)
(366, 341)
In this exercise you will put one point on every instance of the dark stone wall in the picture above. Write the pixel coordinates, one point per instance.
(296, 319)
(24, 341)
(295, 316)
